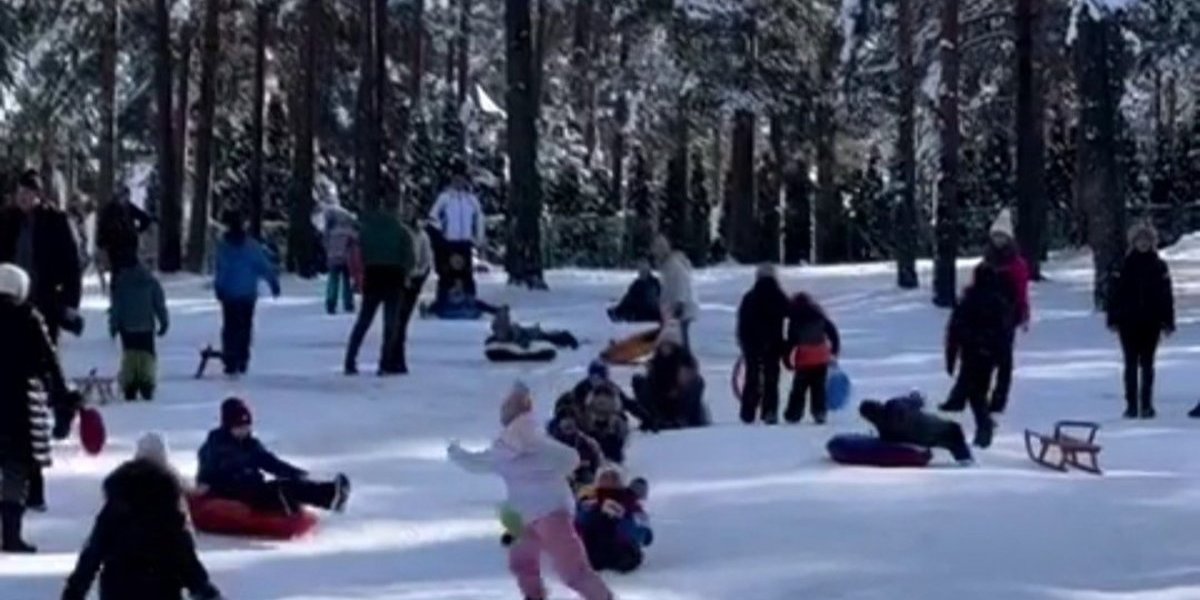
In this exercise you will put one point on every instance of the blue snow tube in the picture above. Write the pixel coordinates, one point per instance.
(869, 451)
(837, 389)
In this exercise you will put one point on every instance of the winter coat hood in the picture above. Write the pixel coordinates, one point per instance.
(14, 283)
(1142, 229)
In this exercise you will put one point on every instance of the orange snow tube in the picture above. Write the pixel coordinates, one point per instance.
(220, 516)
(631, 350)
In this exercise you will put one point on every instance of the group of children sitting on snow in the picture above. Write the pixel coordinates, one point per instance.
(567, 468)
(141, 544)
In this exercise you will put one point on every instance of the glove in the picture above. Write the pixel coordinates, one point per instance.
(162, 329)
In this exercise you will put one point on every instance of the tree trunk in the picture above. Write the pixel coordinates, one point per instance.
(170, 213)
(907, 232)
(1031, 145)
(616, 196)
(302, 237)
(524, 243)
(946, 259)
(382, 83)
(416, 53)
(262, 29)
(830, 229)
(798, 224)
(182, 105)
(674, 221)
(109, 34)
(1099, 185)
(464, 51)
(368, 115)
(201, 201)
(743, 242)
(581, 82)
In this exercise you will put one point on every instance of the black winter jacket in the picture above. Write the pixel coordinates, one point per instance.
(640, 303)
(902, 421)
(760, 319)
(120, 224)
(57, 278)
(982, 323)
(807, 320)
(31, 384)
(1142, 297)
(140, 543)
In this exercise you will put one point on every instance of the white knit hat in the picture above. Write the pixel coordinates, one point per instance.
(14, 282)
(152, 447)
(1003, 225)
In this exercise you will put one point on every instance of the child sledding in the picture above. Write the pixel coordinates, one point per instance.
(671, 392)
(642, 301)
(512, 342)
(232, 466)
(612, 522)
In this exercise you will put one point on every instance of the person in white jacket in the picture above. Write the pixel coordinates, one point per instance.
(458, 217)
(534, 468)
(678, 301)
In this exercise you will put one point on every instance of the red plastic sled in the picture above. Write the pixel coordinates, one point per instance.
(92, 433)
(219, 516)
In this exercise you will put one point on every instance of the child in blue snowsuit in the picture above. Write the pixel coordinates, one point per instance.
(232, 463)
(241, 264)
(612, 523)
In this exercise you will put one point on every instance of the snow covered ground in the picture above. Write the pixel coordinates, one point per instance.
(745, 513)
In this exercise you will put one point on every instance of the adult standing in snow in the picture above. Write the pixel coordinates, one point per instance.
(411, 294)
(1004, 256)
(678, 301)
(388, 262)
(341, 242)
(1141, 309)
(241, 264)
(36, 236)
(120, 225)
(141, 544)
(977, 340)
(31, 382)
(760, 334)
(458, 217)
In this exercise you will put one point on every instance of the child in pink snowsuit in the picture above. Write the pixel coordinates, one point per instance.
(535, 469)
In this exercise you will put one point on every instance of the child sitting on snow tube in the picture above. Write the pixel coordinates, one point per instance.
(613, 524)
(564, 428)
(902, 420)
(671, 392)
(232, 463)
(513, 342)
(640, 304)
(604, 420)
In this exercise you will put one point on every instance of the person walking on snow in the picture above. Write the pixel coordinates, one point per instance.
(141, 544)
(232, 463)
(813, 343)
(36, 236)
(31, 386)
(1141, 310)
(388, 256)
(761, 316)
(977, 340)
(411, 295)
(138, 312)
(678, 301)
(458, 216)
(341, 242)
(1004, 256)
(241, 264)
(535, 470)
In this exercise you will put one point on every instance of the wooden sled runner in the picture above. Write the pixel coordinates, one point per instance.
(95, 389)
(1072, 445)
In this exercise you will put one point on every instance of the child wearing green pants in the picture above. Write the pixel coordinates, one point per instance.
(138, 311)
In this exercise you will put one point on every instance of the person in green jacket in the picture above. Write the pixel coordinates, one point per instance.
(388, 259)
(138, 311)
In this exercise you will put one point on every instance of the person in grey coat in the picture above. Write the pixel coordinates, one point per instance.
(678, 300)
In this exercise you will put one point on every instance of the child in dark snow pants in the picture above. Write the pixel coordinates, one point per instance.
(760, 335)
(814, 342)
(977, 340)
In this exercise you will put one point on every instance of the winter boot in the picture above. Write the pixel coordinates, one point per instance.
(341, 493)
(819, 418)
(11, 516)
(983, 435)
(1195, 412)
(130, 393)
(1148, 411)
(1131, 412)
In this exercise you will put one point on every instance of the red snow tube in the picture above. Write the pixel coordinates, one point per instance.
(870, 451)
(229, 517)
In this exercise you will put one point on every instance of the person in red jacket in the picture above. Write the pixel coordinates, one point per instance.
(1004, 257)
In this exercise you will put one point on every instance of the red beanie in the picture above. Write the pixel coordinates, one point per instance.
(235, 413)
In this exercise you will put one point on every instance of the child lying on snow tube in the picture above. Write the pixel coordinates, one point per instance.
(612, 522)
(235, 499)
(902, 420)
(513, 342)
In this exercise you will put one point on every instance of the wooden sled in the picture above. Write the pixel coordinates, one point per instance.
(1078, 450)
(207, 354)
(631, 350)
(95, 389)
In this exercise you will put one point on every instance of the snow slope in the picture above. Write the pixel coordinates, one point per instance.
(746, 513)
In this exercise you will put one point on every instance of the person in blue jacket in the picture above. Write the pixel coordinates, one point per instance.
(232, 463)
(241, 264)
